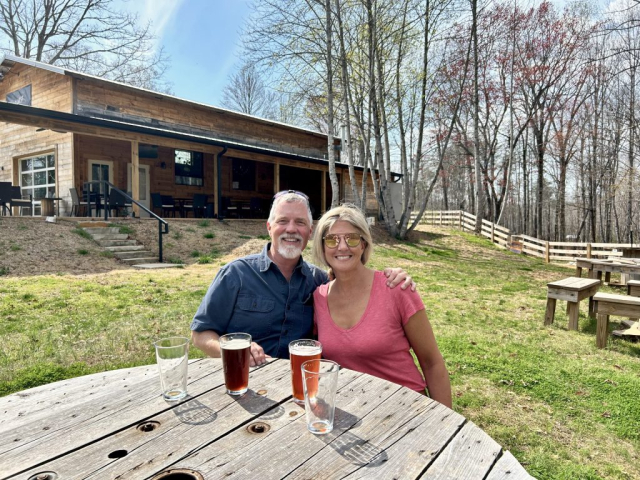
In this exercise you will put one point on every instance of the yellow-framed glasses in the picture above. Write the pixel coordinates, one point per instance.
(332, 240)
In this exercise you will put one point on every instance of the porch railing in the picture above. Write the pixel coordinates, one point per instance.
(107, 187)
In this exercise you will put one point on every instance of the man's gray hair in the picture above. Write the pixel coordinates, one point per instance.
(290, 197)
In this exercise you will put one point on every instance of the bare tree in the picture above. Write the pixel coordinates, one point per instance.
(90, 36)
(246, 92)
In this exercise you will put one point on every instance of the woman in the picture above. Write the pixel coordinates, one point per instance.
(365, 326)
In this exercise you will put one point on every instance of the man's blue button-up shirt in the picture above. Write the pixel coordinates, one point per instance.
(251, 295)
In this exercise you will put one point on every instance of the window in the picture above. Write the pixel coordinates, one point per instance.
(189, 169)
(38, 177)
(244, 175)
(21, 96)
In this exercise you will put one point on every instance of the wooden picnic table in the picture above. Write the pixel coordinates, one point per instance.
(116, 425)
(597, 267)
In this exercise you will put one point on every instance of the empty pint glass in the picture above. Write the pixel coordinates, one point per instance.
(172, 355)
(299, 352)
(320, 381)
(236, 355)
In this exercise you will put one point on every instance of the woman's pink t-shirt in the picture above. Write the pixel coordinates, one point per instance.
(377, 344)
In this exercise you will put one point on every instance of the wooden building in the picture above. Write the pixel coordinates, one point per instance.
(64, 128)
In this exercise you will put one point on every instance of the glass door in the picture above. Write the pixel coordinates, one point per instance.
(100, 170)
(144, 185)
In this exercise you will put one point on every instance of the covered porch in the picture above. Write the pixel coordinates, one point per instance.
(236, 180)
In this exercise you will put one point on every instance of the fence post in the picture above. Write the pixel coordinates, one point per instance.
(546, 252)
(440, 215)
(588, 250)
(493, 240)
(460, 219)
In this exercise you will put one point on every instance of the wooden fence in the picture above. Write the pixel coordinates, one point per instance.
(501, 236)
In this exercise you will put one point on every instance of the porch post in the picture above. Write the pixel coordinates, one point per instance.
(277, 177)
(135, 176)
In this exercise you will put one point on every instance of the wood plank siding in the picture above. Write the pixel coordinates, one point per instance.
(110, 100)
(48, 90)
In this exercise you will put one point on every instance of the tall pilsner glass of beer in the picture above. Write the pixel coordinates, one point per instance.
(299, 352)
(236, 355)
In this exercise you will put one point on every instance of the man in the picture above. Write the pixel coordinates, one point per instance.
(268, 295)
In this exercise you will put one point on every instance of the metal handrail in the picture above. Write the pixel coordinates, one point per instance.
(107, 190)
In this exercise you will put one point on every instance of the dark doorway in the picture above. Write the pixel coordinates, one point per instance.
(307, 181)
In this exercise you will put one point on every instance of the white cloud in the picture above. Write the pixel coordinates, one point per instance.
(161, 13)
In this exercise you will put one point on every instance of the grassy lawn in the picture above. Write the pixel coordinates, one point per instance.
(565, 409)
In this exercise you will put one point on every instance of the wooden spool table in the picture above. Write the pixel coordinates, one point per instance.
(116, 425)
(607, 304)
(572, 290)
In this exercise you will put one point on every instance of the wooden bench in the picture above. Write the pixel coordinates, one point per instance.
(572, 290)
(606, 304)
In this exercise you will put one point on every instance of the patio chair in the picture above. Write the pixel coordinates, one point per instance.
(5, 197)
(255, 204)
(199, 205)
(76, 204)
(168, 205)
(20, 200)
(227, 208)
(93, 198)
(164, 203)
(118, 201)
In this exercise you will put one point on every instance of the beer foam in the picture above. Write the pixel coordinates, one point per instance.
(235, 344)
(305, 350)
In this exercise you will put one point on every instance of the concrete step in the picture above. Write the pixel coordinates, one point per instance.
(133, 254)
(101, 230)
(92, 224)
(117, 243)
(111, 236)
(155, 266)
(125, 248)
(136, 261)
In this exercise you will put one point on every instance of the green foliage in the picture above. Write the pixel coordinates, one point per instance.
(82, 233)
(107, 254)
(124, 229)
(195, 253)
(15, 248)
(177, 235)
(203, 223)
(209, 235)
(4, 271)
(83, 251)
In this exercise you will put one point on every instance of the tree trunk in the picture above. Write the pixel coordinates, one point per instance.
(331, 152)
(476, 119)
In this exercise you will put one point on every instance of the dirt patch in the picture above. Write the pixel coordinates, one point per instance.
(32, 246)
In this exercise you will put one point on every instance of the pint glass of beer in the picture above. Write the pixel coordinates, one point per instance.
(236, 355)
(299, 352)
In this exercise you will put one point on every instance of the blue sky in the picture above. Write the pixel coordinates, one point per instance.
(202, 39)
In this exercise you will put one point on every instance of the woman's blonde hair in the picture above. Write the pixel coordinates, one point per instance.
(347, 213)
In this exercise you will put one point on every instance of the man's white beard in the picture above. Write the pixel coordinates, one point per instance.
(289, 252)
